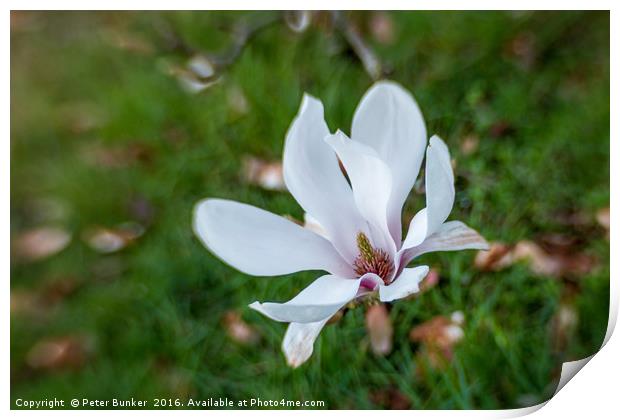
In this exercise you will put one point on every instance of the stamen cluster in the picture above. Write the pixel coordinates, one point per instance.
(371, 260)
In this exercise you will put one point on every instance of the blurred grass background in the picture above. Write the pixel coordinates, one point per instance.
(102, 133)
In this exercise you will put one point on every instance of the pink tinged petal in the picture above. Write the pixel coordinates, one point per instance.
(407, 283)
(298, 342)
(320, 300)
(314, 178)
(451, 236)
(369, 281)
(439, 194)
(371, 181)
(260, 243)
(389, 120)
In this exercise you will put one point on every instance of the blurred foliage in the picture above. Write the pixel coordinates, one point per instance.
(531, 88)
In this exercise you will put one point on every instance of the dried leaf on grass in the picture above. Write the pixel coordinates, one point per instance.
(557, 261)
(239, 330)
(108, 240)
(382, 28)
(267, 175)
(496, 258)
(39, 243)
(469, 144)
(380, 331)
(438, 336)
(60, 352)
(602, 217)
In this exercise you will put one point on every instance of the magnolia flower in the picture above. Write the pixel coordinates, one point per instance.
(359, 242)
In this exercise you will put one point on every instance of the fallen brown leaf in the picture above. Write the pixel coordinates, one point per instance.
(40, 243)
(602, 217)
(469, 144)
(438, 337)
(382, 28)
(379, 327)
(558, 261)
(495, 259)
(239, 330)
(267, 175)
(60, 352)
(107, 240)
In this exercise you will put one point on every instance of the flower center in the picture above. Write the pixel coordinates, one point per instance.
(371, 260)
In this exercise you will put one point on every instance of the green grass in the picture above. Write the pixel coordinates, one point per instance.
(156, 324)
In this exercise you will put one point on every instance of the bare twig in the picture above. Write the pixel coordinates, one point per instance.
(369, 60)
(245, 32)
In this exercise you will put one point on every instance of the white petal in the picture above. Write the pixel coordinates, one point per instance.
(439, 194)
(389, 120)
(298, 342)
(407, 283)
(371, 181)
(260, 243)
(439, 184)
(320, 300)
(314, 178)
(417, 230)
(451, 236)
